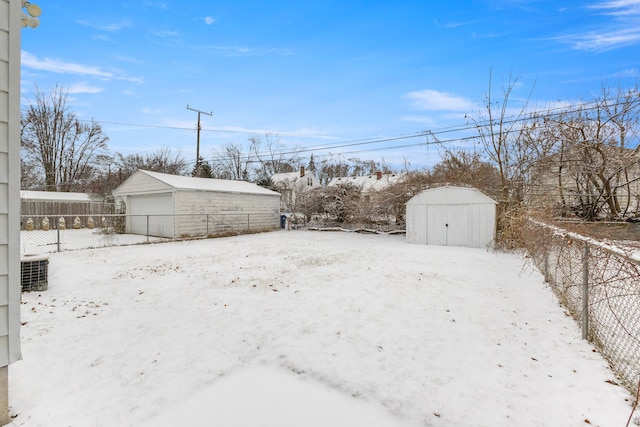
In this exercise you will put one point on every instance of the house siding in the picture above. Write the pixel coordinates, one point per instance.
(9, 182)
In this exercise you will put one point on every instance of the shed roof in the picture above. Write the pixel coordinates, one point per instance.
(450, 195)
(198, 184)
(55, 195)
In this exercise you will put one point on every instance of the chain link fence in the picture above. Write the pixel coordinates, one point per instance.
(599, 284)
(42, 234)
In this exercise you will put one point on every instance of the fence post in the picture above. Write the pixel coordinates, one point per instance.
(248, 222)
(58, 239)
(147, 228)
(207, 235)
(546, 266)
(585, 292)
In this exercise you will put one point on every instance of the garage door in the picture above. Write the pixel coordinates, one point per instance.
(152, 213)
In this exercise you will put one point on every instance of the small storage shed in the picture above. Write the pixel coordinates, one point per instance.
(172, 206)
(451, 216)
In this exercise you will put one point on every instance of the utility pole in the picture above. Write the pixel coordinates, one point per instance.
(198, 138)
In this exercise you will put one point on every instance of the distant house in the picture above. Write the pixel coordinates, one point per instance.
(589, 181)
(292, 184)
(173, 206)
(374, 182)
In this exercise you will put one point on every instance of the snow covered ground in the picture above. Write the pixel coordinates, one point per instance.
(38, 242)
(304, 328)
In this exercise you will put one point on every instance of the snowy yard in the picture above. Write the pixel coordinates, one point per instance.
(304, 328)
(39, 242)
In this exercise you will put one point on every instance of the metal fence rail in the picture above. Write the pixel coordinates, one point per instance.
(599, 284)
(44, 234)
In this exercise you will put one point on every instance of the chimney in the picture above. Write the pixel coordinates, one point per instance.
(378, 175)
(301, 171)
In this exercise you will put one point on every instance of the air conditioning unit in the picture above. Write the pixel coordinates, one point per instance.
(34, 272)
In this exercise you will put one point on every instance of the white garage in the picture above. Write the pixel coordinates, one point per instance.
(173, 206)
(451, 216)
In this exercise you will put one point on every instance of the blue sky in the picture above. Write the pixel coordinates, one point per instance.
(320, 74)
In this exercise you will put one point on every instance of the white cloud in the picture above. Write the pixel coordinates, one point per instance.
(84, 88)
(600, 42)
(57, 66)
(629, 72)
(256, 131)
(157, 5)
(209, 20)
(61, 67)
(102, 37)
(171, 37)
(129, 59)
(110, 27)
(618, 7)
(432, 100)
(166, 34)
(147, 110)
(620, 30)
(430, 121)
(231, 50)
(453, 24)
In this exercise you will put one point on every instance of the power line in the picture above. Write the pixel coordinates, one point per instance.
(472, 125)
(549, 112)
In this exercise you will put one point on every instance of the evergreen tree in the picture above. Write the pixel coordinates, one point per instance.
(205, 169)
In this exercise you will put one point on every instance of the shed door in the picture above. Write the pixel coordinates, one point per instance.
(417, 224)
(157, 209)
(448, 225)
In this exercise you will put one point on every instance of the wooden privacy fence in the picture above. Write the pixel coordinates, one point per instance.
(599, 284)
(63, 208)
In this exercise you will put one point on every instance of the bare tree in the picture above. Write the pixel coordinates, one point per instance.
(337, 166)
(390, 202)
(598, 159)
(461, 167)
(272, 156)
(31, 176)
(341, 204)
(104, 179)
(63, 147)
(333, 167)
(162, 160)
(231, 163)
(500, 130)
